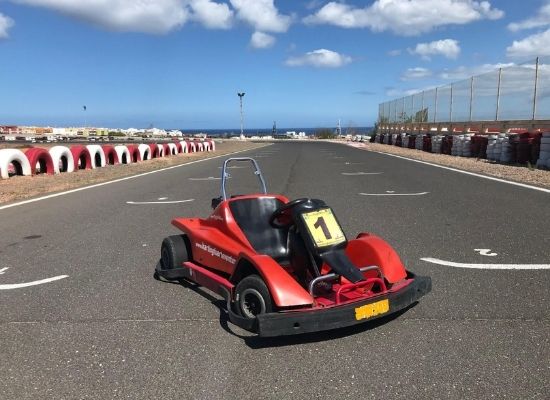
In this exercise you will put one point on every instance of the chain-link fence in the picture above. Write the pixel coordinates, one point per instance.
(520, 92)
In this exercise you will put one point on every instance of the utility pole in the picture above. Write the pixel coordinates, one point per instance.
(241, 95)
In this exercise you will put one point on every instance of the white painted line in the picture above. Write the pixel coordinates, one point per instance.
(34, 283)
(49, 196)
(389, 193)
(523, 185)
(485, 266)
(361, 173)
(160, 202)
(210, 178)
(486, 252)
(3, 270)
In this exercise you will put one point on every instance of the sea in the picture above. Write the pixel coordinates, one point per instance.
(228, 133)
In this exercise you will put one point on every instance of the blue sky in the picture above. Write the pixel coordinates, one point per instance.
(180, 63)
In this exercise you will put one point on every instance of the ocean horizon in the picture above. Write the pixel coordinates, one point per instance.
(230, 132)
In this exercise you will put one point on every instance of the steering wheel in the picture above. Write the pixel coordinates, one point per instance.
(283, 211)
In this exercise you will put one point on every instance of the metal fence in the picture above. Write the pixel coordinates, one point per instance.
(520, 92)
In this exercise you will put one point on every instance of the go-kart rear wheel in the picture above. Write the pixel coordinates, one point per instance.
(173, 251)
(252, 297)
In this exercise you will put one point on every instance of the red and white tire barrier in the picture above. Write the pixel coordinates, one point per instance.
(171, 149)
(199, 145)
(160, 148)
(15, 158)
(184, 146)
(97, 155)
(63, 160)
(179, 147)
(40, 160)
(212, 145)
(191, 147)
(135, 155)
(155, 150)
(145, 152)
(111, 156)
(81, 157)
(123, 154)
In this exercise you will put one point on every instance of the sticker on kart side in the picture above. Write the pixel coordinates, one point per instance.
(372, 310)
(323, 227)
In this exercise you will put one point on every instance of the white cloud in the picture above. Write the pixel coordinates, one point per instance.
(541, 19)
(394, 53)
(416, 73)
(260, 40)
(147, 16)
(463, 72)
(211, 14)
(5, 24)
(404, 17)
(262, 15)
(532, 46)
(448, 48)
(321, 58)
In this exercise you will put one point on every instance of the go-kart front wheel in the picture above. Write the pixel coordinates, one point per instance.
(252, 297)
(173, 252)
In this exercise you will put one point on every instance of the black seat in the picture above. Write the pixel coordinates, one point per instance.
(252, 216)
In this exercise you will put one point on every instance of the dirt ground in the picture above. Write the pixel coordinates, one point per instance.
(24, 187)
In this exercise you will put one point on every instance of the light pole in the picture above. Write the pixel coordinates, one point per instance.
(241, 95)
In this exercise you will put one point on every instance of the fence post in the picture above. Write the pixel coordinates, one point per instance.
(451, 106)
(422, 113)
(498, 93)
(435, 105)
(471, 97)
(535, 92)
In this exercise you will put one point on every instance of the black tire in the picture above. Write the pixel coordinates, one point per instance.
(174, 251)
(252, 297)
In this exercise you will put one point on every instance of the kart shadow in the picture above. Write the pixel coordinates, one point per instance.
(256, 342)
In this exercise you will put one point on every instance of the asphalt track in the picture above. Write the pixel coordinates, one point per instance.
(109, 330)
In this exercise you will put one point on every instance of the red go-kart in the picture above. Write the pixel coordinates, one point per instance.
(286, 267)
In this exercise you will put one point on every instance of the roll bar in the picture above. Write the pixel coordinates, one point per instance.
(257, 172)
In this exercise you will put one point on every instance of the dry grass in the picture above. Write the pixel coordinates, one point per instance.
(23, 187)
(515, 173)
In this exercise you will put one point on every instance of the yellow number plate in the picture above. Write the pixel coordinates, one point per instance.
(324, 228)
(372, 310)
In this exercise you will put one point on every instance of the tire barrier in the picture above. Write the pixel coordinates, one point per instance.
(135, 155)
(172, 149)
(160, 148)
(437, 140)
(111, 156)
(81, 157)
(123, 154)
(154, 150)
(40, 160)
(62, 158)
(543, 160)
(97, 155)
(14, 162)
(144, 152)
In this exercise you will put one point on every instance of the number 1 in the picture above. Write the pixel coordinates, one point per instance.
(323, 225)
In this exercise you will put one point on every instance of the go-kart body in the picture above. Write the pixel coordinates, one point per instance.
(316, 279)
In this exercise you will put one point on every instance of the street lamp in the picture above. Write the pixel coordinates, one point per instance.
(241, 95)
